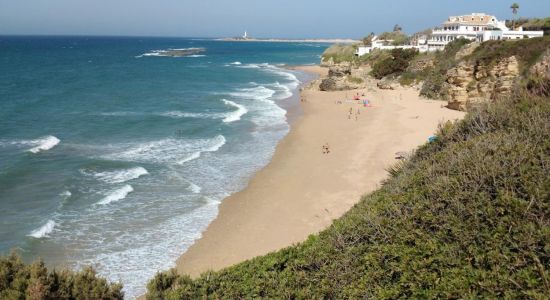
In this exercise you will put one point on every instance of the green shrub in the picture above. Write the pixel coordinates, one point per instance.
(434, 78)
(408, 78)
(22, 281)
(465, 217)
(356, 80)
(396, 64)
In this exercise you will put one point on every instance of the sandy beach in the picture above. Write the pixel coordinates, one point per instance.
(303, 189)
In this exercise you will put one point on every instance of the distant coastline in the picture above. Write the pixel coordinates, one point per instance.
(331, 41)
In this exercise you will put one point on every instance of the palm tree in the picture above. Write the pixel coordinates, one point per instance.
(514, 8)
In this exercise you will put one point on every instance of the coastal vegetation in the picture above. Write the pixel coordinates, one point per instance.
(466, 216)
(33, 281)
(340, 53)
(396, 63)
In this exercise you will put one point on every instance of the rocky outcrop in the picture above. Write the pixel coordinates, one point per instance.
(327, 62)
(471, 82)
(383, 85)
(466, 50)
(541, 68)
(421, 64)
(337, 79)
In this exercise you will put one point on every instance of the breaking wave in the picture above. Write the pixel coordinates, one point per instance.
(170, 151)
(234, 115)
(43, 144)
(117, 195)
(120, 176)
(43, 231)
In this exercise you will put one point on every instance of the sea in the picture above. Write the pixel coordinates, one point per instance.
(116, 154)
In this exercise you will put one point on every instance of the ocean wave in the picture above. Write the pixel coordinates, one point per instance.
(253, 66)
(116, 195)
(119, 114)
(236, 63)
(256, 93)
(191, 157)
(215, 145)
(283, 91)
(194, 188)
(120, 176)
(171, 150)
(293, 83)
(183, 114)
(43, 144)
(234, 115)
(43, 231)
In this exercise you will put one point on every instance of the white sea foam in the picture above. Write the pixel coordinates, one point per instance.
(119, 114)
(183, 114)
(120, 176)
(43, 231)
(214, 146)
(283, 91)
(236, 63)
(117, 195)
(287, 75)
(234, 115)
(191, 157)
(194, 188)
(43, 144)
(171, 151)
(255, 93)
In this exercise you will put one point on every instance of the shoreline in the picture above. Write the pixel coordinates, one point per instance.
(326, 41)
(302, 190)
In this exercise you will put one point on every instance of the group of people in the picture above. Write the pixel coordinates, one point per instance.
(357, 113)
(326, 149)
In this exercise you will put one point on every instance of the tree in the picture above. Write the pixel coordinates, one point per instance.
(367, 41)
(397, 27)
(514, 8)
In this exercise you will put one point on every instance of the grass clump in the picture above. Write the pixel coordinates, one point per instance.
(354, 79)
(34, 281)
(397, 37)
(340, 53)
(467, 216)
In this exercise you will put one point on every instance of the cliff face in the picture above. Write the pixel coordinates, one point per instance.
(339, 79)
(471, 82)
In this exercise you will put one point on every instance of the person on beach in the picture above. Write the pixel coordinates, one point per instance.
(326, 149)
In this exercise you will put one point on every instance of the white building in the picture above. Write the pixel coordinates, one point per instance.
(476, 27)
(387, 45)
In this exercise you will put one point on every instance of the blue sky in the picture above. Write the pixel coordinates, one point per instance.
(262, 18)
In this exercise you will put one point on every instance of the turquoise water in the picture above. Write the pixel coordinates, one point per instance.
(114, 156)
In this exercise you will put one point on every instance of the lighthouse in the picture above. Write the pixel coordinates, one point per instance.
(245, 35)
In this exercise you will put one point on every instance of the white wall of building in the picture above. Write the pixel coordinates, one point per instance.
(484, 28)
